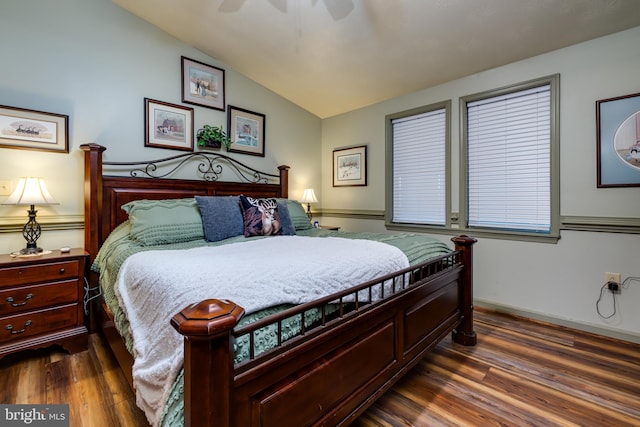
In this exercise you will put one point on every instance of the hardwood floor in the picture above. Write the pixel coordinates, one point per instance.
(91, 382)
(521, 373)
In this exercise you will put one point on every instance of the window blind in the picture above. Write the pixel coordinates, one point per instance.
(419, 168)
(509, 161)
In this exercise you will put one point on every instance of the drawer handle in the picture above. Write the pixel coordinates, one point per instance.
(10, 328)
(19, 304)
(62, 271)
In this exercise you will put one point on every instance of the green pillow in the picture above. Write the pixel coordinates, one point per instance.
(298, 215)
(159, 222)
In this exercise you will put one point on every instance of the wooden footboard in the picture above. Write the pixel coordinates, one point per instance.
(334, 371)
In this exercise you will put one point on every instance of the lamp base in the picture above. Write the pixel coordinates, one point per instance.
(30, 251)
(31, 233)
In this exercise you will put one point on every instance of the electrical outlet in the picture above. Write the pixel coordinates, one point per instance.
(5, 188)
(612, 277)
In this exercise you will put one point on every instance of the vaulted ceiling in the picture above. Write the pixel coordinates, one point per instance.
(334, 56)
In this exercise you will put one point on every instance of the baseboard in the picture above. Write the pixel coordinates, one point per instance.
(586, 327)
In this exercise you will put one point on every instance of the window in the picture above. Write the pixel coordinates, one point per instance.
(509, 159)
(417, 153)
(508, 167)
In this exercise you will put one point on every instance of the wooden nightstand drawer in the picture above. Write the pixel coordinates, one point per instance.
(16, 300)
(29, 274)
(41, 301)
(36, 322)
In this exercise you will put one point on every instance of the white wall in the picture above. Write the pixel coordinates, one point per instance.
(95, 62)
(558, 282)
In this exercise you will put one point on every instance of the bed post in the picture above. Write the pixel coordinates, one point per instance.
(284, 181)
(92, 197)
(464, 333)
(208, 349)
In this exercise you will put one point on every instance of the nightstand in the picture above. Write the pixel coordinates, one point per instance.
(41, 301)
(329, 227)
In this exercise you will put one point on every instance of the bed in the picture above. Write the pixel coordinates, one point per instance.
(346, 349)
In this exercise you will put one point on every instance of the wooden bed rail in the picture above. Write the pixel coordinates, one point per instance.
(208, 328)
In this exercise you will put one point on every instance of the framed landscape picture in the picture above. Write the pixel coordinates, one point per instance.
(33, 130)
(202, 84)
(350, 167)
(168, 125)
(246, 129)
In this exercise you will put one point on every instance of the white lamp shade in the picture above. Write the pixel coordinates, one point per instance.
(308, 196)
(30, 191)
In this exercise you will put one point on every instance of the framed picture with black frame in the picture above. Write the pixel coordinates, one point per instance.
(202, 84)
(618, 141)
(33, 130)
(168, 125)
(350, 167)
(246, 129)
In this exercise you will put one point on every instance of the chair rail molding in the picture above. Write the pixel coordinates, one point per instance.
(599, 223)
(15, 224)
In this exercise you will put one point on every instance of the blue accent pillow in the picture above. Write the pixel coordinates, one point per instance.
(288, 228)
(221, 217)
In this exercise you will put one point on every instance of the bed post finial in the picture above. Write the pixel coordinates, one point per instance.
(207, 328)
(284, 181)
(92, 197)
(464, 333)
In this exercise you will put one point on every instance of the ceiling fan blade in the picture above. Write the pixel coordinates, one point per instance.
(230, 6)
(339, 9)
(281, 5)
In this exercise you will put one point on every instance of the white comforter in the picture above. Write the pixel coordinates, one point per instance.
(153, 286)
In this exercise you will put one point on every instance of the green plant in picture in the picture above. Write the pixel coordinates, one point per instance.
(213, 136)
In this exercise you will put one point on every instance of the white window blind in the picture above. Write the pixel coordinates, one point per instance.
(509, 161)
(419, 168)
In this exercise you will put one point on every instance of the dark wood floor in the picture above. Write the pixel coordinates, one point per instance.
(521, 373)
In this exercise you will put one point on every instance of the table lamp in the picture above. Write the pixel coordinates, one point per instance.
(30, 192)
(308, 197)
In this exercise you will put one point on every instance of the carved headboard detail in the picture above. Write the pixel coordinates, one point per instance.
(105, 194)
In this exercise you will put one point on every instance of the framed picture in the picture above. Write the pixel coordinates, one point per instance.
(246, 130)
(202, 84)
(167, 125)
(618, 141)
(350, 167)
(33, 130)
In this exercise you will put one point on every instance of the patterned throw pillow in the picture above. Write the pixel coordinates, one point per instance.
(261, 217)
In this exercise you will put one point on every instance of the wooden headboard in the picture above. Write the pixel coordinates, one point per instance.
(104, 194)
